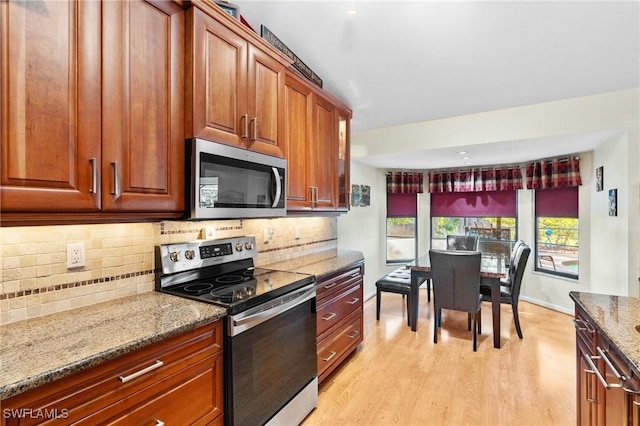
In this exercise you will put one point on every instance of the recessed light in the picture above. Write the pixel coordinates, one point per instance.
(352, 10)
(462, 152)
(466, 158)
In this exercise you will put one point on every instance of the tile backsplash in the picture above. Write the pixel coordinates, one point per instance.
(119, 258)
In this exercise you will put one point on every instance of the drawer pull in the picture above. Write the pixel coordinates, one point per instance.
(331, 355)
(610, 365)
(354, 334)
(594, 370)
(356, 275)
(328, 286)
(581, 326)
(330, 316)
(139, 373)
(159, 422)
(353, 301)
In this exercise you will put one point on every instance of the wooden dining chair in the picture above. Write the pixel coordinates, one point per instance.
(455, 276)
(510, 293)
(462, 242)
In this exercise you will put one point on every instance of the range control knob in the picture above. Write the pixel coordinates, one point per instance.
(248, 245)
(174, 256)
(239, 247)
(189, 254)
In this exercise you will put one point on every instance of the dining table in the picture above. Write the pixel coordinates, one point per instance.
(491, 272)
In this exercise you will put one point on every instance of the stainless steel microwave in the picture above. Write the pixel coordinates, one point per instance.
(225, 182)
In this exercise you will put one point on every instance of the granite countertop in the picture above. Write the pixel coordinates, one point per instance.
(615, 316)
(320, 263)
(39, 350)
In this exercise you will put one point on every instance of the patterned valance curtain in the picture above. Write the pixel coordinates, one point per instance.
(405, 182)
(557, 173)
(476, 180)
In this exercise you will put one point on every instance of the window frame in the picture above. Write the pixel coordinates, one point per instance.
(415, 234)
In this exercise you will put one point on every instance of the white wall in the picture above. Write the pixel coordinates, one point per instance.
(609, 258)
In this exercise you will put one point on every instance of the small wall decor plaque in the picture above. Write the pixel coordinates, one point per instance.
(613, 202)
(599, 178)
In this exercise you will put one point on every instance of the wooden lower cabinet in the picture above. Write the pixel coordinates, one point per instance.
(175, 381)
(608, 388)
(339, 317)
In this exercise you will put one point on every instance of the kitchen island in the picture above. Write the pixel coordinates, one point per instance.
(607, 358)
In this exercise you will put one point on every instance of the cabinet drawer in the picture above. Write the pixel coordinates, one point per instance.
(585, 330)
(191, 397)
(334, 283)
(337, 345)
(88, 391)
(336, 307)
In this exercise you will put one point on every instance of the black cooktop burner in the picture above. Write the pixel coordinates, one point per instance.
(233, 293)
(238, 290)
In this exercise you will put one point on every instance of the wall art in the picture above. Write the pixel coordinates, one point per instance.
(599, 178)
(613, 202)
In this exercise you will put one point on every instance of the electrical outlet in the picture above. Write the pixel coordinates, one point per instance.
(296, 233)
(75, 255)
(268, 234)
(209, 232)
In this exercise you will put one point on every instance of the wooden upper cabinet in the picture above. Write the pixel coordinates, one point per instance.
(323, 166)
(50, 105)
(298, 111)
(344, 158)
(143, 106)
(235, 90)
(92, 109)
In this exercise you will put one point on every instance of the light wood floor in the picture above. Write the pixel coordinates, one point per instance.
(400, 377)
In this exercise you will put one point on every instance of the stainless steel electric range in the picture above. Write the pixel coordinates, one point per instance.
(270, 329)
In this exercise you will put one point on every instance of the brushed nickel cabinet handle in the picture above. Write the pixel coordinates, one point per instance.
(154, 366)
(328, 286)
(245, 121)
(94, 175)
(353, 301)
(331, 355)
(611, 366)
(116, 179)
(329, 317)
(254, 128)
(354, 334)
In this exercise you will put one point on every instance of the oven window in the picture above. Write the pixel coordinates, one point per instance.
(269, 364)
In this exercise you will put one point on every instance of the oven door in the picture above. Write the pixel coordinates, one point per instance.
(229, 182)
(270, 361)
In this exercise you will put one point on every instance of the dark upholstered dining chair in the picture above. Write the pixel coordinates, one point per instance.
(510, 293)
(462, 242)
(455, 276)
(512, 263)
(397, 281)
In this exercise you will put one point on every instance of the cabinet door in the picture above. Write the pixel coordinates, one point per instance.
(589, 390)
(266, 103)
(324, 153)
(298, 107)
(344, 159)
(217, 92)
(143, 106)
(49, 105)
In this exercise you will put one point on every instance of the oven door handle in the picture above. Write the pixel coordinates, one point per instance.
(275, 309)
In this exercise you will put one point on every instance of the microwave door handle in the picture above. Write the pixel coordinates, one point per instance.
(278, 194)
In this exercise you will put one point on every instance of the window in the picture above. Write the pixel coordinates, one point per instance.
(402, 240)
(557, 240)
(490, 215)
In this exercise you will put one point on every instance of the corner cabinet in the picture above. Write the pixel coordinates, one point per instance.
(340, 326)
(235, 92)
(176, 381)
(92, 118)
(608, 389)
(317, 140)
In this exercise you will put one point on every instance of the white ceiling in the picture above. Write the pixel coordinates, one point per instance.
(398, 62)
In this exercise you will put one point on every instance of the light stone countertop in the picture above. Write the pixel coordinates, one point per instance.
(320, 263)
(40, 350)
(37, 351)
(615, 316)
